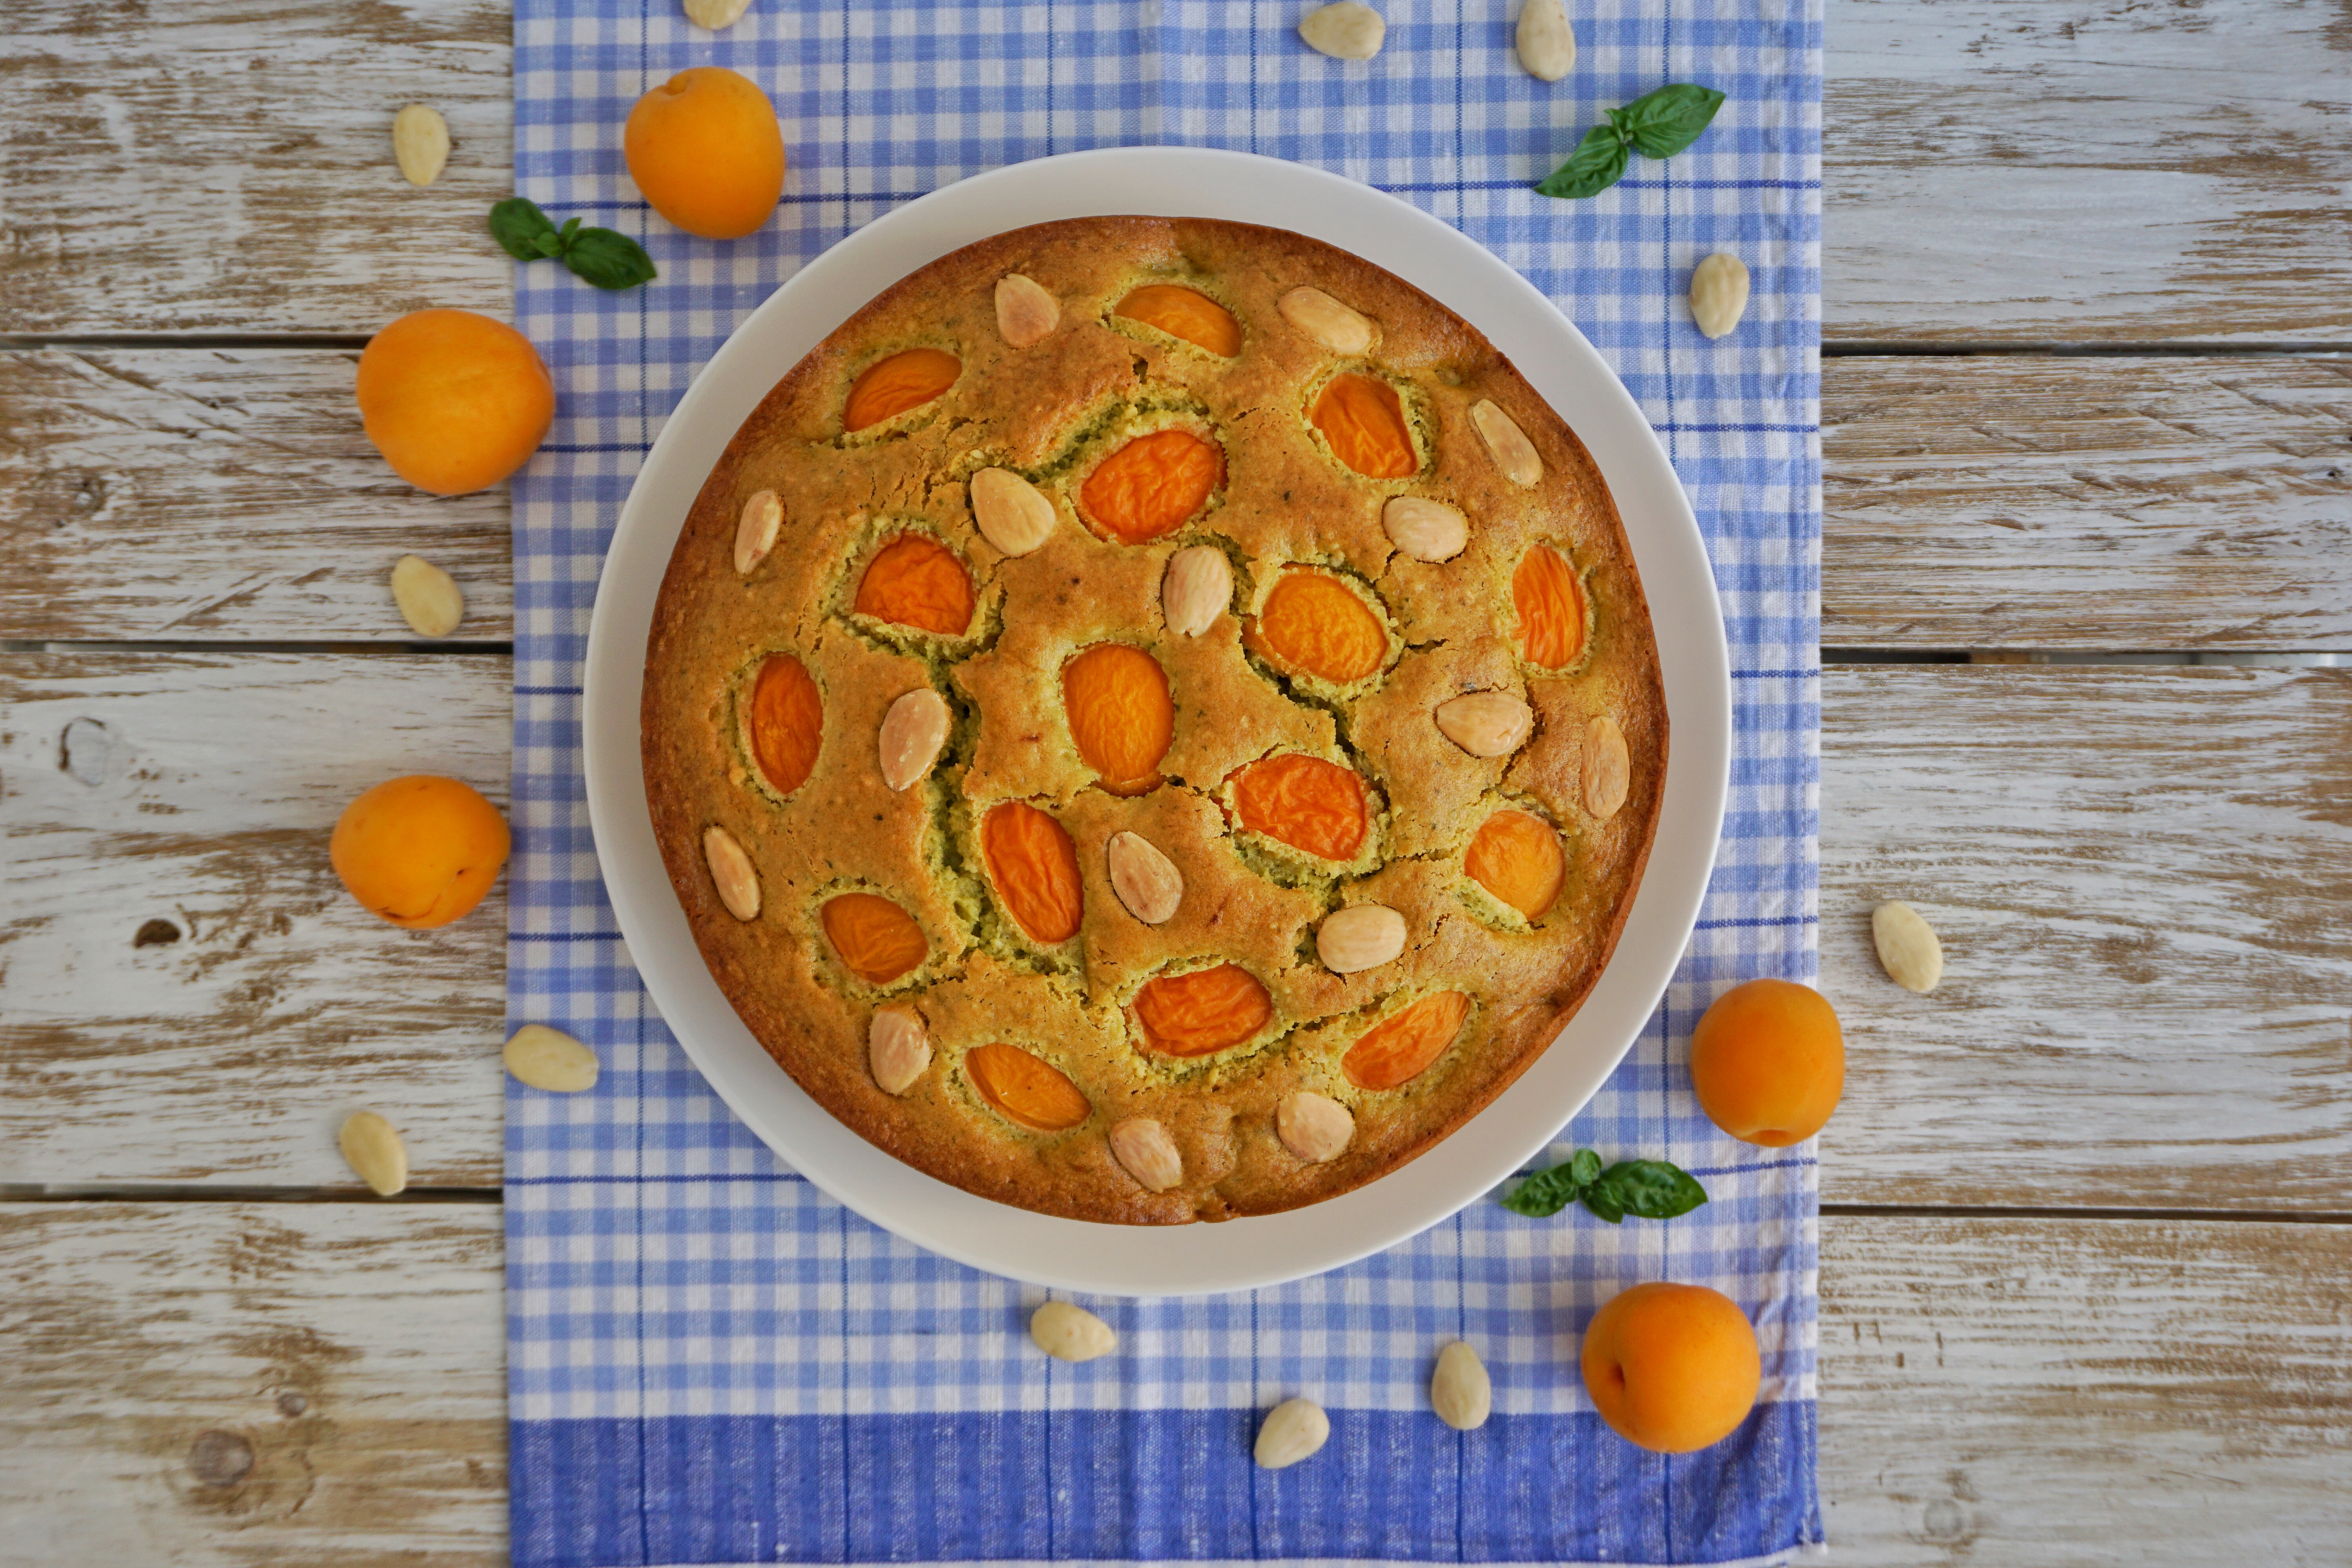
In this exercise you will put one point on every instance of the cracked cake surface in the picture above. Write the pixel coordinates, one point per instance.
(1023, 876)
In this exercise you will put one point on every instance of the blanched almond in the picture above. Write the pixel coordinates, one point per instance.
(1460, 1391)
(428, 597)
(1314, 1127)
(914, 731)
(1908, 946)
(1327, 321)
(1718, 293)
(375, 1152)
(1506, 444)
(1012, 513)
(715, 13)
(898, 1049)
(1360, 937)
(1292, 1431)
(1547, 43)
(1424, 528)
(755, 531)
(1146, 881)
(1486, 723)
(1195, 588)
(1345, 30)
(731, 873)
(1025, 313)
(1149, 1154)
(1067, 1332)
(1608, 768)
(420, 144)
(550, 1059)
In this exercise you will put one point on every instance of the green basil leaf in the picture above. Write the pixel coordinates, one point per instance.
(1651, 1188)
(1603, 1204)
(1545, 1193)
(570, 235)
(548, 246)
(609, 261)
(1598, 163)
(517, 225)
(1662, 124)
(1587, 1166)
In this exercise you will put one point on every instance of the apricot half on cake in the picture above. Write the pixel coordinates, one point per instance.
(1136, 737)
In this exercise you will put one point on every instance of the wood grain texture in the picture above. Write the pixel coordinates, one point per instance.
(226, 165)
(191, 995)
(1994, 169)
(2139, 874)
(2087, 504)
(1987, 503)
(2091, 170)
(348, 1356)
(219, 494)
(2141, 878)
(2086, 1391)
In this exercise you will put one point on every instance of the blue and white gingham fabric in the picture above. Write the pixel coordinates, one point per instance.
(711, 1362)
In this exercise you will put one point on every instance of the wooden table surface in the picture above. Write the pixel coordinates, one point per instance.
(2086, 1274)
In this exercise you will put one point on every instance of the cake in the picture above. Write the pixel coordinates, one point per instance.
(1153, 721)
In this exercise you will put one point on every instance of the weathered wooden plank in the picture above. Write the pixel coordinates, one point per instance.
(191, 995)
(1994, 169)
(2012, 169)
(226, 165)
(2139, 874)
(2101, 1392)
(2042, 503)
(203, 493)
(2087, 504)
(2052, 1392)
(252, 1383)
(2139, 877)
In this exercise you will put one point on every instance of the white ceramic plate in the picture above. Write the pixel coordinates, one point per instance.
(1238, 1254)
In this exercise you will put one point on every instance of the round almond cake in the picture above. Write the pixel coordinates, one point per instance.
(1154, 720)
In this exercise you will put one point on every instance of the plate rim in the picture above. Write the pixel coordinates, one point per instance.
(1246, 1252)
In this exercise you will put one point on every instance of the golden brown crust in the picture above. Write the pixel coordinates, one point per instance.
(1051, 412)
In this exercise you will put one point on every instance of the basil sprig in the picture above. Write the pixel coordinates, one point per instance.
(1657, 125)
(1652, 1189)
(602, 256)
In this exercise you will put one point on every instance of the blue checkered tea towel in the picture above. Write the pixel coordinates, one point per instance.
(711, 1361)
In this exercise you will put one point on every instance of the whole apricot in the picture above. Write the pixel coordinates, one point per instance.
(707, 152)
(1671, 1368)
(420, 851)
(1768, 1062)
(456, 402)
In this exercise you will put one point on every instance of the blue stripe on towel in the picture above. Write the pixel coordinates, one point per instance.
(1123, 1486)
